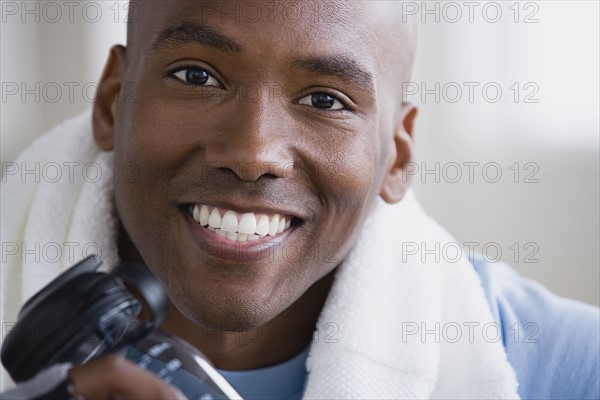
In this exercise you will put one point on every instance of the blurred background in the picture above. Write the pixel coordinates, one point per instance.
(507, 133)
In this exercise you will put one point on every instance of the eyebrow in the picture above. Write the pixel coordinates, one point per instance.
(337, 66)
(190, 32)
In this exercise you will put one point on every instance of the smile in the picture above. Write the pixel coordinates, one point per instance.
(240, 227)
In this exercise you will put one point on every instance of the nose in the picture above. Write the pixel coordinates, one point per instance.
(253, 141)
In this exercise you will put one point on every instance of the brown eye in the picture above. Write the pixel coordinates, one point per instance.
(196, 76)
(323, 101)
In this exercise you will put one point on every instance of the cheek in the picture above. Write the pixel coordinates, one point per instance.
(147, 151)
(152, 136)
(349, 182)
(348, 168)
(154, 141)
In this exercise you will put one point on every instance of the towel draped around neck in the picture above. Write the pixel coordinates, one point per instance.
(395, 324)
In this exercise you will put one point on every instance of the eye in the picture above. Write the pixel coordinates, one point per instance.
(195, 76)
(323, 101)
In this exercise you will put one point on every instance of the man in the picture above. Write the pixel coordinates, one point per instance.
(234, 125)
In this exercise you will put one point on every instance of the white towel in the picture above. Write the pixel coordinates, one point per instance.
(394, 325)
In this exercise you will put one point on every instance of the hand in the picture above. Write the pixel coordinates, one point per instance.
(113, 377)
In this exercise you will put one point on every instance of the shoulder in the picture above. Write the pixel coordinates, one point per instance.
(553, 343)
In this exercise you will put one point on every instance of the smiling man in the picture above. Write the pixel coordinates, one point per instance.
(277, 136)
(253, 146)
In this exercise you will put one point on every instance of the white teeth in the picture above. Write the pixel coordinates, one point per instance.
(262, 226)
(204, 215)
(273, 225)
(247, 224)
(215, 218)
(250, 227)
(229, 223)
(221, 233)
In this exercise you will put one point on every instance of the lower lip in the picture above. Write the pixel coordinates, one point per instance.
(229, 250)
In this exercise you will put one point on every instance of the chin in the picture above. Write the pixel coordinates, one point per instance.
(226, 312)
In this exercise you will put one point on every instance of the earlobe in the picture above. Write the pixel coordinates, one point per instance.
(397, 181)
(105, 105)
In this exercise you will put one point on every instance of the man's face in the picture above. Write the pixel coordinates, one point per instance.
(263, 110)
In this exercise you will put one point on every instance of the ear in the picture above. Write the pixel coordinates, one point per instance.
(397, 181)
(105, 105)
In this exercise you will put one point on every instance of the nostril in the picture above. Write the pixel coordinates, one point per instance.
(250, 172)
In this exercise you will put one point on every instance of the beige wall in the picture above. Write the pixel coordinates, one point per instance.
(557, 137)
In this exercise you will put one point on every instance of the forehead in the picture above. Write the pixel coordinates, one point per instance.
(369, 32)
(335, 17)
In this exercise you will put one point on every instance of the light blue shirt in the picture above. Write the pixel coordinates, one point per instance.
(278, 382)
(557, 352)
(553, 344)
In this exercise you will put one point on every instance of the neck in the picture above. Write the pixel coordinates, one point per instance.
(279, 340)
